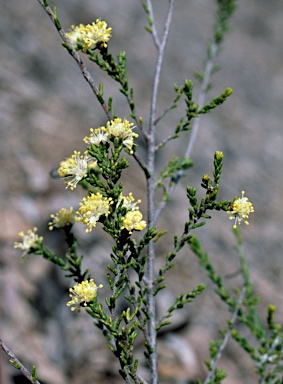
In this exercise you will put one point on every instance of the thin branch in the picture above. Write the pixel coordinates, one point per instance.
(150, 273)
(165, 141)
(142, 164)
(215, 361)
(201, 99)
(16, 362)
(158, 67)
(143, 381)
(143, 131)
(154, 31)
(76, 57)
(166, 110)
(140, 125)
(195, 126)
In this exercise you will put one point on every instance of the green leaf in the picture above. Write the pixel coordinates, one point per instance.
(33, 373)
(15, 364)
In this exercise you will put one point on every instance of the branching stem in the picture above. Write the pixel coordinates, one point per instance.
(195, 126)
(16, 362)
(153, 357)
(77, 58)
(201, 99)
(226, 338)
(154, 31)
(87, 76)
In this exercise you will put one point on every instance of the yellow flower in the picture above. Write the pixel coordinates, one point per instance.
(129, 202)
(219, 155)
(133, 221)
(74, 168)
(91, 35)
(97, 136)
(91, 208)
(206, 177)
(62, 218)
(96, 33)
(76, 35)
(83, 293)
(30, 241)
(240, 210)
(121, 130)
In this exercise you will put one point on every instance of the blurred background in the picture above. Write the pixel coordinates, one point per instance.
(46, 109)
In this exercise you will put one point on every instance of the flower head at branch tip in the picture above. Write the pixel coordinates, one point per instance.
(206, 177)
(62, 218)
(76, 34)
(82, 294)
(133, 221)
(90, 36)
(74, 168)
(97, 136)
(121, 130)
(240, 210)
(30, 241)
(219, 155)
(129, 202)
(91, 208)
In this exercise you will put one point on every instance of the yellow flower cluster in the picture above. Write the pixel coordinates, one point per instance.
(91, 208)
(129, 202)
(122, 130)
(240, 210)
(133, 221)
(83, 293)
(74, 168)
(91, 35)
(62, 218)
(97, 136)
(30, 241)
(133, 218)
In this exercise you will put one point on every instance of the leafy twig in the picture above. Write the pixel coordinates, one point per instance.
(201, 99)
(84, 71)
(226, 338)
(15, 362)
(76, 56)
(149, 11)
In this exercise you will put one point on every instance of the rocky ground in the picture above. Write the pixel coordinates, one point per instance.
(46, 108)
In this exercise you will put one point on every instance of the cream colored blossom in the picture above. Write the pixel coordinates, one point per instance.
(133, 221)
(133, 218)
(97, 136)
(83, 293)
(62, 218)
(76, 35)
(91, 208)
(91, 35)
(121, 130)
(129, 202)
(30, 241)
(240, 210)
(74, 168)
(95, 34)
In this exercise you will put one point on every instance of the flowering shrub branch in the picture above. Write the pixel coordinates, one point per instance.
(132, 275)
